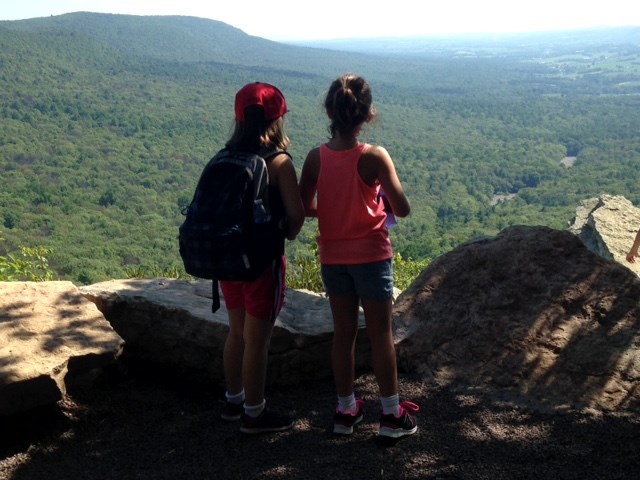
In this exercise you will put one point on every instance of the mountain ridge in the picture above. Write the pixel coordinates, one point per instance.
(103, 135)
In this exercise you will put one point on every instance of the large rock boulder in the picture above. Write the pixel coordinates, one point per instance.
(607, 226)
(532, 314)
(169, 322)
(51, 338)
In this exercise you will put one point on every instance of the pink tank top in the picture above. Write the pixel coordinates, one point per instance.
(350, 219)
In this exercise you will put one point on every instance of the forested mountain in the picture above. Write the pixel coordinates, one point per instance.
(107, 120)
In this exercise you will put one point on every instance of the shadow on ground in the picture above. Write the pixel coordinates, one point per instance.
(137, 425)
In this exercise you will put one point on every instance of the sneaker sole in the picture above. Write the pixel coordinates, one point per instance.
(396, 432)
(344, 429)
(253, 431)
(231, 418)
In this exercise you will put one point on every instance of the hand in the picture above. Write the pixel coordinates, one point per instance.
(631, 257)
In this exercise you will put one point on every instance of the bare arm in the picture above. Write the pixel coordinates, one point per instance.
(309, 181)
(379, 165)
(633, 251)
(287, 182)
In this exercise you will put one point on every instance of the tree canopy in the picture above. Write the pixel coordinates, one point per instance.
(107, 120)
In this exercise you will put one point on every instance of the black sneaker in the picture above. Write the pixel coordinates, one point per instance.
(405, 424)
(232, 411)
(343, 423)
(266, 422)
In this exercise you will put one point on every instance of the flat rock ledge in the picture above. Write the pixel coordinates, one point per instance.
(168, 322)
(51, 337)
(54, 335)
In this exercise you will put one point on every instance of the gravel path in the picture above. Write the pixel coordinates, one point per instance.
(132, 427)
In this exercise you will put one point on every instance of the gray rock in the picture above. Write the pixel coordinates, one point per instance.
(607, 226)
(51, 338)
(531, 313)
(169, 321)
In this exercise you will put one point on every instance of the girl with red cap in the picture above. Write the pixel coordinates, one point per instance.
(252, 306)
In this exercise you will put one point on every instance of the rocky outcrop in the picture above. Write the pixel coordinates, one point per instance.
(607, 226)
(51, 338)
(531, 314)
(53, 335)
(169, 322)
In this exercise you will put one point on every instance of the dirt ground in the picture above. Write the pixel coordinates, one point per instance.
(134, 426)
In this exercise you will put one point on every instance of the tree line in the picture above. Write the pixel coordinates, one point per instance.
(101, 145)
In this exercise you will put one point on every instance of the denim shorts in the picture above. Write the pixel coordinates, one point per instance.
(369, 281)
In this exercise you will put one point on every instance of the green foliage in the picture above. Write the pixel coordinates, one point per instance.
(405, 271)
(107, 120)
(303, 271)
(30, 264)
(140, 271)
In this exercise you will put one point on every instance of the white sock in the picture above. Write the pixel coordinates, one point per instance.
(347, 404)
(391, 405)
(237, 398)
(254, 410)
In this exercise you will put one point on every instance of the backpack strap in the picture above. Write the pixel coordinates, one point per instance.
(269, 154)
(261, 183)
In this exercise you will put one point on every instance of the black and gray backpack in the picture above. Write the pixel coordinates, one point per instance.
(229, 232)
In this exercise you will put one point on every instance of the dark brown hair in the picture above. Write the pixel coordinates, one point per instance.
(349, 104)
(256, 134)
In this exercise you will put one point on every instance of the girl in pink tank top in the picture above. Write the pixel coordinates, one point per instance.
(340, 184)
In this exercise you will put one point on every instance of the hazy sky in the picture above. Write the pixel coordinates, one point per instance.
(327, 19)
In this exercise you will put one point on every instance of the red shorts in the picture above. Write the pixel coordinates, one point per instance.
(261, 298)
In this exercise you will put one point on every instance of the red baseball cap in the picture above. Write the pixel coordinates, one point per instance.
(263, 94)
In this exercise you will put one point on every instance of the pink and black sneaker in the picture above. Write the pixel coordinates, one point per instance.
(405, 424)
(232, 411)
(266, 422)
(343, 423)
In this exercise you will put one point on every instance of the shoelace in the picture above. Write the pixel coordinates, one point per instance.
(409, 407)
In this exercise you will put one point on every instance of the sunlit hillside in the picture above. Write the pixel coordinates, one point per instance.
(107, 120)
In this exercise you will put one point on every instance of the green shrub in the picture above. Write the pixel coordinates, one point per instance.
(405, 271)
(303, 271)
(140, 271)
(30, 265)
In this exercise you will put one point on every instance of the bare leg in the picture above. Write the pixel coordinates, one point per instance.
(383, 352)
(257, 335)
(234, 351)
(345, 330)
